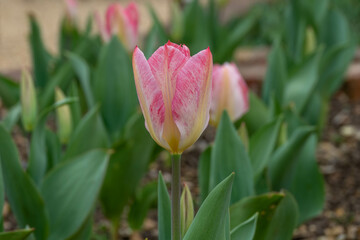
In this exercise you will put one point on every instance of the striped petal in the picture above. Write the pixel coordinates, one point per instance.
(165, 65)
(131, 19)
(191, 103)
(150, 97)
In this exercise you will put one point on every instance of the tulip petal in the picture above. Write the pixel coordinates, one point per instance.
(150, 97)
(191, 103)
(131, 22)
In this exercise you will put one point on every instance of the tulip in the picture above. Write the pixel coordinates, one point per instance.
(187, 210)
(28, 102)
(122, 22)
(229, 92)
(71, 9)
(64, 120)
(174, 92)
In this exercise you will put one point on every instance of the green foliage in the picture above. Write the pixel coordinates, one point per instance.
(212, 213)
(229, 155)
(77, 183)
(164, 210)
(9, 91)
(246, 230)
(16, 235)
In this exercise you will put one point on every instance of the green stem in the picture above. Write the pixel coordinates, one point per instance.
(114, 229)
(175, 197)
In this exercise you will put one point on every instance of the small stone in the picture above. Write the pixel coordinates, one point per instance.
(348, 131)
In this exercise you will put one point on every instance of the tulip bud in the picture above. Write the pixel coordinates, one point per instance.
(186, 210)
(64, 120)
(28, 102)
(122, 22)
(71, 10)
(229, 92)
(243, 133)
(310, 44)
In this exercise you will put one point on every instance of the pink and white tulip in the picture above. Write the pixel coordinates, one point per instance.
(71, 9)
(229, 92)
(174, 91)
(120, 21)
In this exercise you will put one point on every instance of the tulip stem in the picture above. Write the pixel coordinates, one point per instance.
(175, 197)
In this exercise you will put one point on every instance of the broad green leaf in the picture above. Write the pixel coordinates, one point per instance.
(9, 91)
(276, 73)
(308, 183)
(12, 117)
(229, 156)
(114, 87)
(302, 83)
(284, 220)
(127, 166)
(77, 183)
(265, 139)
(204, 173)
(75, 110)
(164, 210)
(317, 10)
(258, 114)
(246, 230)
(283, 162)
(22, 194)
(16, 235)
(144, 200)
(89, 134)
(212, 213)
(40, 57)
(265, 205)
(82, 71)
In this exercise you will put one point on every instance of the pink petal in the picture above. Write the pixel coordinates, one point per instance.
(102, 28)
(130, 17)
(229, 93)
(110, 18)
(150, 97)
(191, 103)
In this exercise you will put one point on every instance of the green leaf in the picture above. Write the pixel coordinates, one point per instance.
(82, 71)
(265, 139)
(89, 134)
(229, 155)
(308, 183)
(127, 167)
(212, 213)
(246, 230)
(164, 210)
(258, 114)
(204, 173)
(77, 183)
(114, 87)
(84, 233)
(40, 57)
(144, 200)
(9, 91)
(265, 205)
(12, 117)
(302, 83)
(284, 220)
(282, 163)
(24, 198)
(276, 73)
(16, 235)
